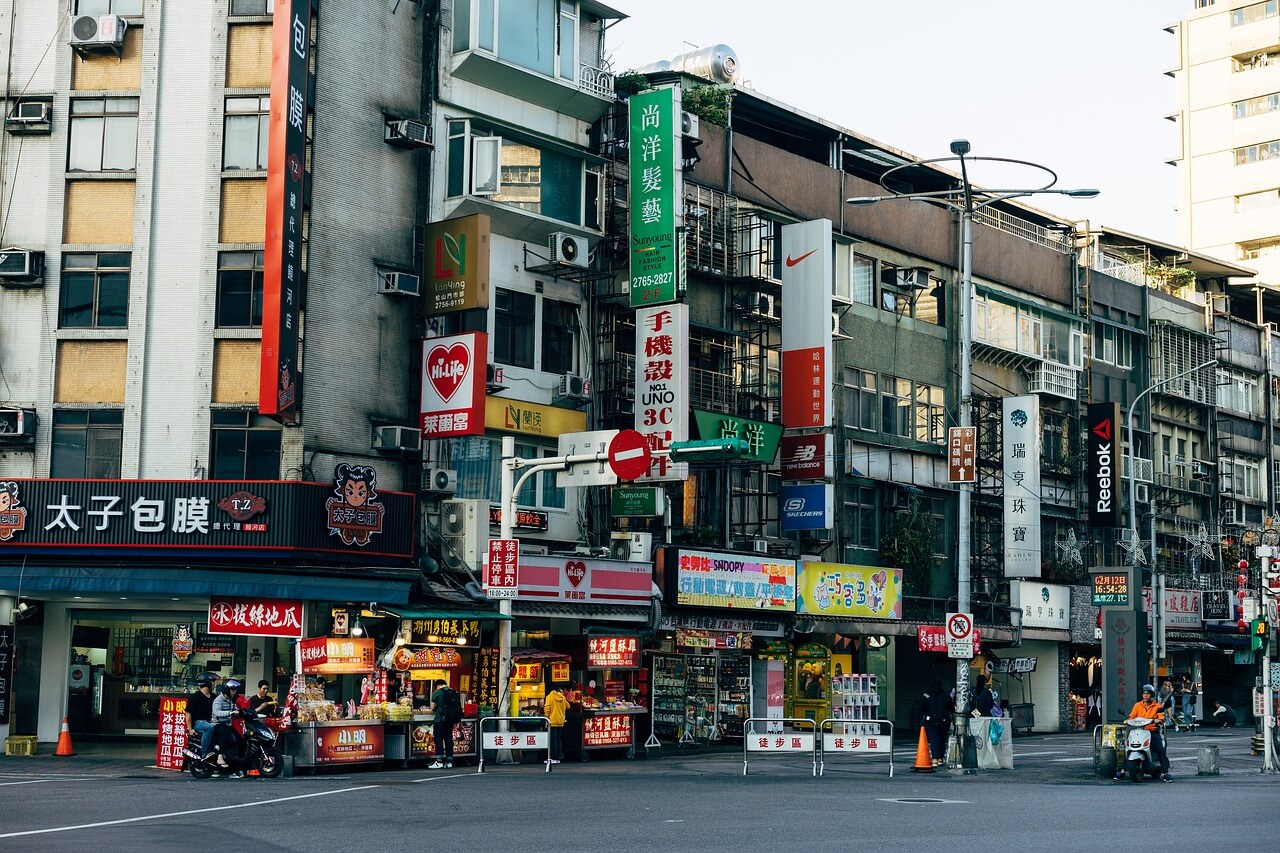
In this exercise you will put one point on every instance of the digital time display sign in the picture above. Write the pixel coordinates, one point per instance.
(1111, 589)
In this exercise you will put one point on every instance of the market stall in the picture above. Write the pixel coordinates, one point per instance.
(604, 717)
(337, 733)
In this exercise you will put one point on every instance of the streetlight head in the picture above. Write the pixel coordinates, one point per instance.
(960, 147)
(862, 200)
(1089, 193)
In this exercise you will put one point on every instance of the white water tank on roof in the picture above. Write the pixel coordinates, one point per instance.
(717, 63)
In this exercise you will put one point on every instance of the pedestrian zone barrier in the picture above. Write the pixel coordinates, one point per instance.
(773, 738)
(525, 739)
(859, 737)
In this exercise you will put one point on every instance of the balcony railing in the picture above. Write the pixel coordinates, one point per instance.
(1010, 224)
(595, 81)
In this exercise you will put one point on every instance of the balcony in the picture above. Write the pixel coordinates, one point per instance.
(1194, 485)
(585, 98)
(1050, 378)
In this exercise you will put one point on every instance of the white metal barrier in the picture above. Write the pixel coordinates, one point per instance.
(867, 738)
(779, 742)
(506, 739)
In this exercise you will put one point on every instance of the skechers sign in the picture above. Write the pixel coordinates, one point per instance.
(1104, 465)
(808, 507)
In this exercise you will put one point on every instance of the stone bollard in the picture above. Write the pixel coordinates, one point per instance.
(1207, 761)
(1104, 762)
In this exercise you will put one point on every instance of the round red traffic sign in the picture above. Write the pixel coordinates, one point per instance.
(959, 626)
(629, 454)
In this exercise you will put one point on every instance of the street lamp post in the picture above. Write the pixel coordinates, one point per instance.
(966, 200)
(1157, 594)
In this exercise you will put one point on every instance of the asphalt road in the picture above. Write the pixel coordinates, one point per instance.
(675, 802)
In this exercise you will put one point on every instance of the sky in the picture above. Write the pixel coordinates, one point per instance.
(1078, 87)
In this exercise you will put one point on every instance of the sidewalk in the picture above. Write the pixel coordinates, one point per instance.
(91, 759)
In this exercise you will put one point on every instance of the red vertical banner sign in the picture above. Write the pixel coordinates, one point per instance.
(807, 284)
(172, 737)
(283, 276)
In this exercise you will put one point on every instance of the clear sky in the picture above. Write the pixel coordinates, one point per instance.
(1079, 87)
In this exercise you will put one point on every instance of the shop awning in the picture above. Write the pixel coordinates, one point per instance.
(201, 582)
(440, 613)
(1229, 641)
(601, 612)
(532, 655)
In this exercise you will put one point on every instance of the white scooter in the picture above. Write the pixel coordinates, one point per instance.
(1138, 757)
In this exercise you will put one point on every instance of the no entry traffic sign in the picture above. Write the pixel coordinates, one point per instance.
(960, 635)
(629, 455)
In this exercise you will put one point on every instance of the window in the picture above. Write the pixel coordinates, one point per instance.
(559, 336)
(513, 327)
(131, 8)
(86, 444)
(253, 7)
(1257, 201)
(1249, 62)
(95, 291)
(244, 143)
(931, 414)
(1237, 391)
(1056, 442)
(910, 409)
(859, 399)
(104, 135)
(862, 281)
(1256, 106)
(1028, 330)
(1240, 476)
(860, 517)
(239, 303)
(1254, 12)
(895, 407)
(1112, 345)
(478, 462)
(539, 35)
(1261, 151)
(245, 446)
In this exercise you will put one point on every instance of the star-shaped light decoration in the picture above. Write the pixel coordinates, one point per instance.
(1069, 548)
(1201, 543)
(1135, 548)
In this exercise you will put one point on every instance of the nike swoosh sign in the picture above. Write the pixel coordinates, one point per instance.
(791, 262)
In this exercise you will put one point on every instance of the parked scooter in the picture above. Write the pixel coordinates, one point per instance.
(1138, 757)
(257, 751)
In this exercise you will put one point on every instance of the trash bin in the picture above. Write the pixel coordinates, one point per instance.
(1105, 749)
(1207, 761)
(1104, 762)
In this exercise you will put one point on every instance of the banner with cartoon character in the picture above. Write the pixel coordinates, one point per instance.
(836, 589)
(355, 513)
(13, 515)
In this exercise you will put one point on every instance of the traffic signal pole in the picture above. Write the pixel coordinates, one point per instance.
(1268, 689)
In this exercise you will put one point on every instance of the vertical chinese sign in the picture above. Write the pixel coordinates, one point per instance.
(171, 738)
(657, 264)
(807, 401)
(283, 273)
(453, 385)
(7, 650)
(662, 383)
(502, 572)
(1021, 486)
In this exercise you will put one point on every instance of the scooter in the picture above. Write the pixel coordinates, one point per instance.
(257, 751)
(1138, 757)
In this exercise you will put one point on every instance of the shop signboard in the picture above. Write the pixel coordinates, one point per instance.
(1181, 610)
(1044, 605)
(662, 384)
(738, 624)
(807, 457)
(171, 735)
(637, 501)
(453, 385)
(7, 650)
(424, 663)
(339, 621)
(1021, 466)
(526, 519)
(784, 742)
(337, 655)
(523, 418)
(502, 569)
(739, 581)
(808, 283)
(855, 743)
(560, 672)
(576, 579)
(657, 262)
(527, 671)
(933, 638)
(423, 741)
(1103, 465)
(837, 589)
(809, 506)
(349, 743)
(485, 680)
(457, 265)
(184, 642)
(1014, 666)
(255, 617)
(697, 638)
(1110, 587)
(213, 516)
(613, 653)
(762, 438)
(607, 730)
(213, 644)
(445, 631)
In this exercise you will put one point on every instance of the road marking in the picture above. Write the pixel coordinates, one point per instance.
(1063, 760)
(1184, 758)
(917, 801)
(183, 813)
(38, 781)
(438, 778)
(1047, 752)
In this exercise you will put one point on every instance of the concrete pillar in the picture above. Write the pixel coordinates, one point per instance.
(7, 603)
(55, 658)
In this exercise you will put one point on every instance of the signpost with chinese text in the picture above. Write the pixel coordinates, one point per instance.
(962, 454)
(960, 636)
(657, 264)
(171, 736)
(502, 572)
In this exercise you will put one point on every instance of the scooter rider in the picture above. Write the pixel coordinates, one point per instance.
(1149, 708)
(200, 711)
(228, 726)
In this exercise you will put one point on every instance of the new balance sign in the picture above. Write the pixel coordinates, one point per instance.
(1104, 465)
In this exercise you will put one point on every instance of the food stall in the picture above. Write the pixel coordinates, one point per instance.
(610, 698)
(332, 733)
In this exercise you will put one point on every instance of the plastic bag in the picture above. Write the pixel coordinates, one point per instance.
(996, 732)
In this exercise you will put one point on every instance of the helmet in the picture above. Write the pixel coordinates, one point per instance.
(231, 684)
(205, 679)
(1149, 688)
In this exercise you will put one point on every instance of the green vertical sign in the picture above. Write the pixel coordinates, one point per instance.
(657, 263)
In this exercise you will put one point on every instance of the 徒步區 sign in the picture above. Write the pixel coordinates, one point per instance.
(501, 573)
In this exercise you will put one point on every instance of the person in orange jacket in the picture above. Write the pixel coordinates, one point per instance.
(1148, 707)
(555, 706)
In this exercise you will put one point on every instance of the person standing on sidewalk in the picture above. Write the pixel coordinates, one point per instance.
(446, 706)
(938, 707)
(555, 706)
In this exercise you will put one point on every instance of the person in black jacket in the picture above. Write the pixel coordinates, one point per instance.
(937, 720)
(981, 703)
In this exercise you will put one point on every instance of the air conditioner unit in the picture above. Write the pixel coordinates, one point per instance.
(17, 426)
(835, 325)
(31, 112)
(571, 388)
(399, 283)
(21, 267)
(762, 305)
(464, 524)
(90, 31)
(439, 481)
(637, 547)
(760, 546)
(407, 133)
(1142, 492)
(402, 439)
(567, 249)
(913, 278)
(689, 125)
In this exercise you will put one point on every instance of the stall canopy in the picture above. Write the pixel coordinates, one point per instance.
(531, 655)
(201, 582)
(444, 613)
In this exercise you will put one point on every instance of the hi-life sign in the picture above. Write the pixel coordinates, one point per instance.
(1104, 464)
(657, 264)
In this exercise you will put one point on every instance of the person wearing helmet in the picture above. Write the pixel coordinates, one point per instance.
(228, 725)
(1148, 707)
(200, 711)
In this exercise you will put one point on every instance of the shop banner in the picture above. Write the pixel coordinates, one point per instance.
(1021, 441)
(695, 638)
(1044, 605)
(807, 281)
(837, 589)
(422, 663)
(786, 742)
(933, 638)
(457, 265)
(856, 743)
(337, 655)
(7, 650)
(348, 744)
(808, 457)
(762, 438)
(607, 730)
(444, 631)
(657, 262)
(255, 617)
(171, 737)
(485, 679)
(453, 385)
(586, 581)
(740, 581)
(422, 742)
(613, 653)
(662, 384)
(808, 507)
(742, 625)
(1182, 608)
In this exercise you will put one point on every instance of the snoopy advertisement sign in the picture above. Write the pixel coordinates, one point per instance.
(836, 589)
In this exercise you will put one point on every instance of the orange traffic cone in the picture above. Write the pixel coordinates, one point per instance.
(64, 741)
(924, 763)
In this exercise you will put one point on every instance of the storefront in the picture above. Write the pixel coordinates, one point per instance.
(1028, 678)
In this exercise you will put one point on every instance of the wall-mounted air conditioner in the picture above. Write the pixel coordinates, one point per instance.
(689, 125)
(399, 283)
(762, 305)
(95, 32)
(571, 387)
(17, 426)
(397, 439)
(407, 133)
(464, 524)
(21, 267)
(625, 545)
(30, 118)
(439, 481)
(567, 249)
